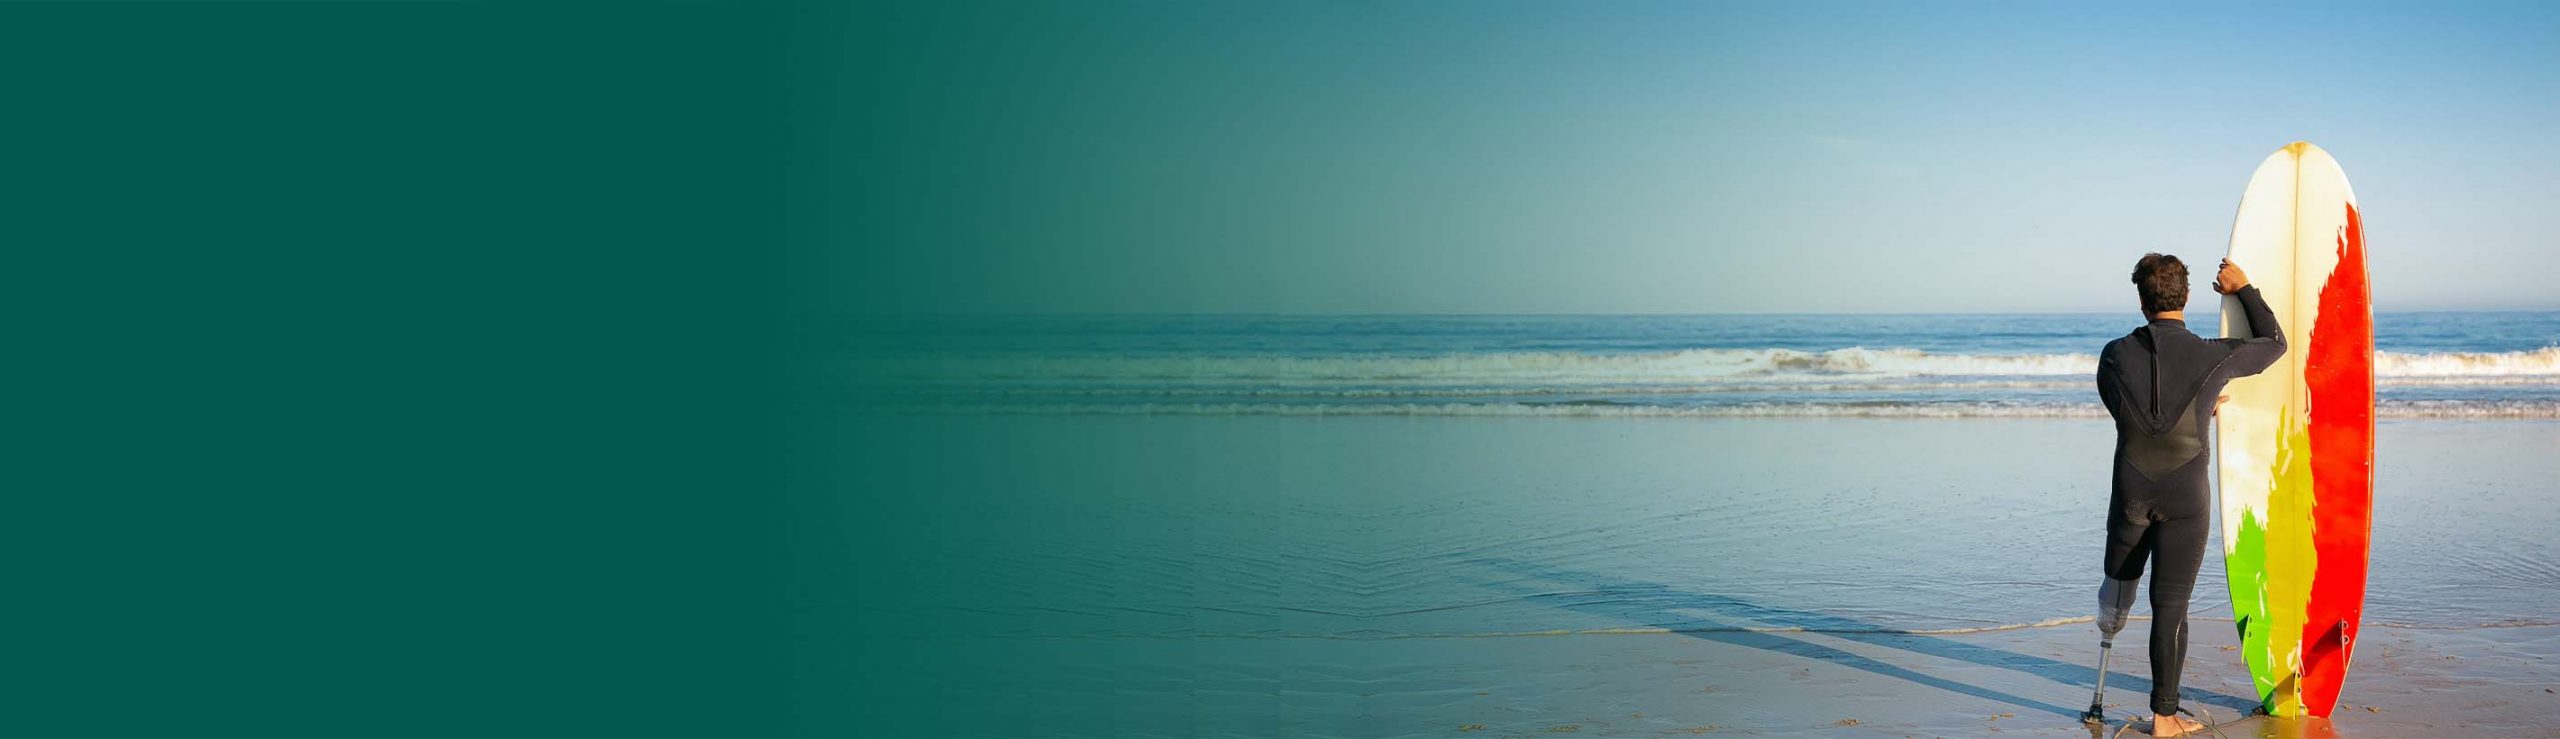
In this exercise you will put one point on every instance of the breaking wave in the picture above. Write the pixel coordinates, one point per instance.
(1891, 383)
(1699, 366)
(2542, 364)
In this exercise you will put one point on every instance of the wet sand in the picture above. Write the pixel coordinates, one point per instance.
(1389, 577)
(2035, 682)
(2493, 682)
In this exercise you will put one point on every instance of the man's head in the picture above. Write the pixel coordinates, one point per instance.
(2161, 280)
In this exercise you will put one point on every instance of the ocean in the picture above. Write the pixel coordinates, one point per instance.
(2429, 364)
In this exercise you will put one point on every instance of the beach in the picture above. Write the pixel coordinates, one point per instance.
(1372, 576)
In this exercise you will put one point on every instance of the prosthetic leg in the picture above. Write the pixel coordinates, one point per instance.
(2115, 605)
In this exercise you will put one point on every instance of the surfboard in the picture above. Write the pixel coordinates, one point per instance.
(2294, 445)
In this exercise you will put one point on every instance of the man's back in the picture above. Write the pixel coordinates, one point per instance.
(2160, 383)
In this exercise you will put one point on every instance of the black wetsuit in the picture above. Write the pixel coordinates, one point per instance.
(2161, 383)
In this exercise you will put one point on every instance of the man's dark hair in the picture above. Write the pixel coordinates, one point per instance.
(2162, 281)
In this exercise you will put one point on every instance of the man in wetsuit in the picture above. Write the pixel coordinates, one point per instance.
(2162, 384)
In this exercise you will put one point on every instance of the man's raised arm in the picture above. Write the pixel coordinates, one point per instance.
(2252, 355)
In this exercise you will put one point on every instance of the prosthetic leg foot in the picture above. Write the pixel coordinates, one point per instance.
(2115, 604)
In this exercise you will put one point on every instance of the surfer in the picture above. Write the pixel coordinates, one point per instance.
(2162, 384)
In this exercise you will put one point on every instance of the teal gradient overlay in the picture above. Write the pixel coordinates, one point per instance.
(399, 369)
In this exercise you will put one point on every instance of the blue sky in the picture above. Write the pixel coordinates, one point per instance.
(1680, 158)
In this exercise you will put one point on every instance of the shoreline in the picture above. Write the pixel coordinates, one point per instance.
(1613, 411)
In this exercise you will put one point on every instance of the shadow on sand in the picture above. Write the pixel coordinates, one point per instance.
(1695, 615)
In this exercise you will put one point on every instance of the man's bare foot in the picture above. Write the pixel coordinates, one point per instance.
(2173, 725)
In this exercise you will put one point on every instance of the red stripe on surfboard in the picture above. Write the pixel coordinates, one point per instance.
(2339, 369)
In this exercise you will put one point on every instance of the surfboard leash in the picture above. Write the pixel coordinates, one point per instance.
(2207, 717)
